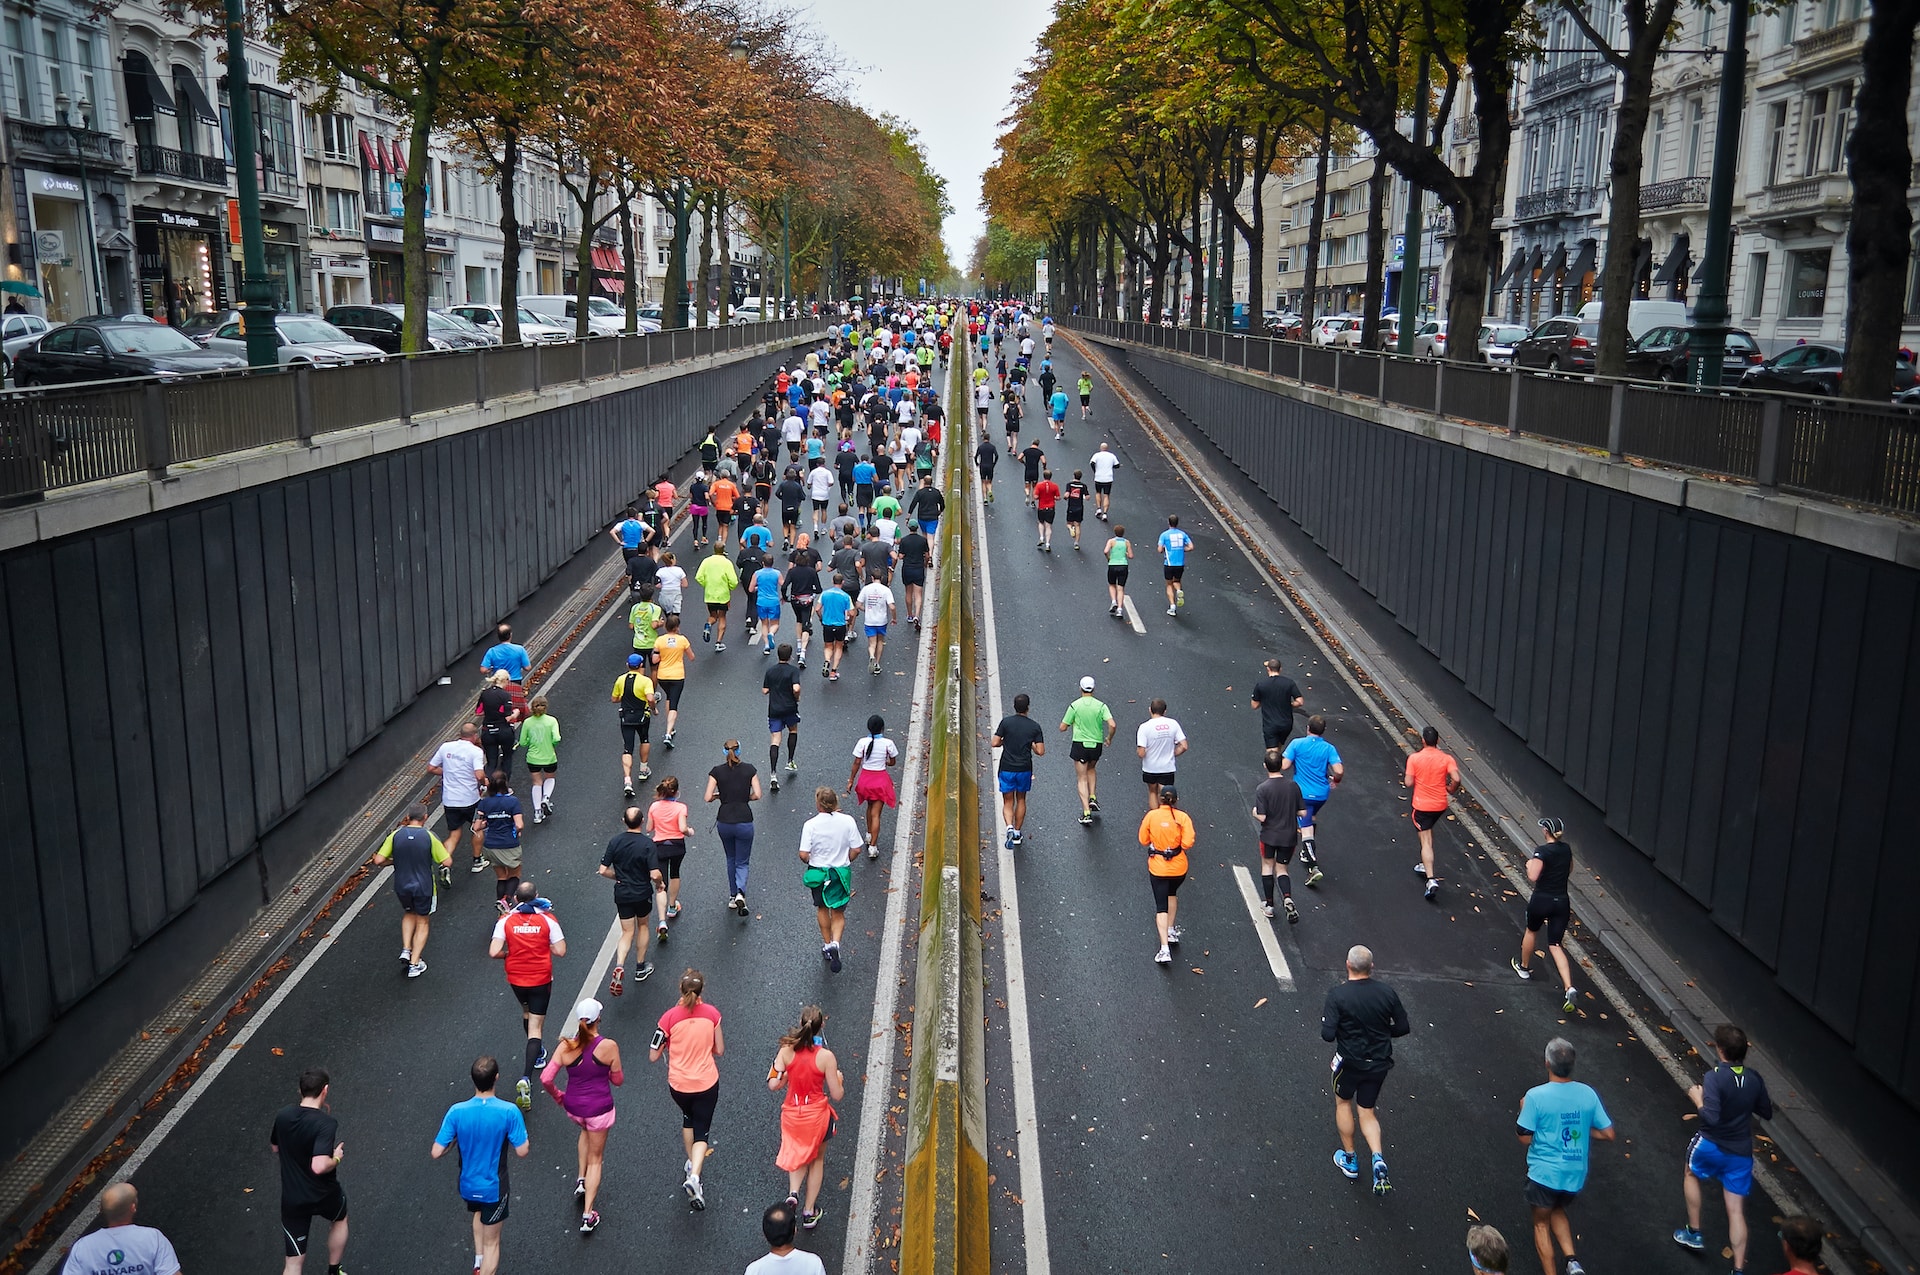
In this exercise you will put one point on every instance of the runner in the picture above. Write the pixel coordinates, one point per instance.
(306, 1137)
(482, 1128)
(809, 1073)
(1549, 867)
(836, 609)
(1431, 774)
(1046, 498)
(827, 843)
(766, 582)
(865, 478)
(1010, 420)
(1361, 1019)
(877, 613)
(735, 784)
(634, 695)
(1057, 408)
(1276, 696)
(1119, 553)
(1086, 395)
(1033, 463)
(1559, 1121)
(540, 736)
(1103, 463)
(667, 825)
(629, 863)
(1092, 727)
(1277, 807)
(592, 1064)
(820, 484)
(689, 1036)
(1730, 1096)
(506, 654)
(792, 494)
(119, 1247)
(462, 767)
(417, 858)
(1317, 768)
(629, 532)
(527, 939)
(982, 399)
(868, 781)
(925, 506)
(913, 551)
(717, 580)
(498, 822)
(725, 496)
(1076, 493)
(1019, 739)
(1158, 742)
(781, 686)
(1167, 833)
(670, 654)
(499, 720)
(1174, 544)
(802, 591)
(985, 457)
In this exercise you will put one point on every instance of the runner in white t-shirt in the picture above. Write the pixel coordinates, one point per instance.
(827, 843)
(820, 484)
(877, 612)
(1158, 741)
(1103, 464)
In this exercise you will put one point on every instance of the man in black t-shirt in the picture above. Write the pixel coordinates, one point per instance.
(1276, 696)
(792, 495)
(1277, 806)
(305, 1137)
(914, 549)
(781, 686)
(629, 862)
(985, 457)
(1019, 739)
(1033, 460)
(1549, 867)
(1362, 1018)
(1076, 493)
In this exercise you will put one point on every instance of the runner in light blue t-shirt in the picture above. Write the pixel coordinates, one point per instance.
(1316, 767)
(1174, 544)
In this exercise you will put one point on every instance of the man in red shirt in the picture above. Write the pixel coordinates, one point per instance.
(1431, 774)
(527, 939)
(1046, 495)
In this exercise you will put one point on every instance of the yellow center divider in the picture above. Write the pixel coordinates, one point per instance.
(944, 1223)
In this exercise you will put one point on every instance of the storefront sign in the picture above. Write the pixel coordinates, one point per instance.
(170, 220)
(347, 265)
(55, 186)
(385, 234)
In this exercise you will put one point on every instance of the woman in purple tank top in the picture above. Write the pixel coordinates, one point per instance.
(592, 1063)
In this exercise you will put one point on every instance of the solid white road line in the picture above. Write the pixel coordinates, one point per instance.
(863, 1203)
(1263, 926)
(1033, 1208)
(1133, 616)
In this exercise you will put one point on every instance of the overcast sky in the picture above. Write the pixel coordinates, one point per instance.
(948, 70)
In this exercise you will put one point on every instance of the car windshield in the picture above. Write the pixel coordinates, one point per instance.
(528, 316)
(145, 338)
(603, 308)
(437, 322)
(1507, 335)
(311, 331)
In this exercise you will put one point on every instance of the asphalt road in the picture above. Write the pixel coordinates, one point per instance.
(1184, 1112)
(399, 1050)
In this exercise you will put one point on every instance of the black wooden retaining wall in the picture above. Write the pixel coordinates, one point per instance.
(1743, 705)
(181, 682)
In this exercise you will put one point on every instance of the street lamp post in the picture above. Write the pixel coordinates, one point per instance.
(79, 143)
(257, 319)
(1711, 311)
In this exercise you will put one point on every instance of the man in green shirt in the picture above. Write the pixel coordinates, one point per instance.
(645, 620)
(1092, 725)
(717, 578)
(885, 506)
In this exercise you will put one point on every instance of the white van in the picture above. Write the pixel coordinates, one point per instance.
(604, 318)
(1643, 316)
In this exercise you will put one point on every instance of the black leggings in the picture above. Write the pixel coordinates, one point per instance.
(498, 746)
(696, 1110)
(1165, 888)
(699, 526)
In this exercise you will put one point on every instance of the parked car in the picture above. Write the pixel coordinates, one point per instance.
(1430, 339)
(466, 327)
(1497, 339)
(205, 323)
(1348, 336)
(604, 318)
(17, 333)
(1285, 324)
(103, 349)
(1665, 353)
(534, 330)
(1564, 343)
(1643, 316)
(1327, 327)
(379, 325)
(1388, 336)
(304, 339)
(1814, 369)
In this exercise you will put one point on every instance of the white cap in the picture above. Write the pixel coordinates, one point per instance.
(1086, 684)
(588, 1011)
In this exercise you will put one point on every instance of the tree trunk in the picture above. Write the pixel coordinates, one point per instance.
(1256, 233)
(1376, 257)
(509, 241)
(725, 285)
(1109, 284)
(583, 258)
(1646, 33)
(1157, 273)
(1475, 198)
(629, 302)
(413, 234)
(674, 290)
(1316, 226)
(703, 289)
(1879, 237)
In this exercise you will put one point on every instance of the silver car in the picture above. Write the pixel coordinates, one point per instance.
(304, 339)
(1498, 339)
(491, 319)
(16, 333)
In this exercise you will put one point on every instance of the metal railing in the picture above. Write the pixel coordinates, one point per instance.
(1678, 192)
(63, 436)
(164, 161)
(1866, 453)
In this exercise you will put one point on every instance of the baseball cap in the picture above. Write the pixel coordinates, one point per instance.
(633, 661)
(1552, 825)
(587, 1011)
(1086, 684)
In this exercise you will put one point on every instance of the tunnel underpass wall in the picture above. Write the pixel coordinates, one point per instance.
(181, 681)
(1740, 703)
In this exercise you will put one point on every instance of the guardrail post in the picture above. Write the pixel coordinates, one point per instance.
(1383, 379)
(1439, 380)
(1772, 436)
(1270, 344)
(1337, 360)
(303, 402)
(536, 347)
(580, 349)
(480, 377)
(156, 439)
(406, 390)
(1617, 422)
(1513, 404)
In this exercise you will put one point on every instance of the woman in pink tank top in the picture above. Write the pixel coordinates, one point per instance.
(592, 1064)
(810, 1074)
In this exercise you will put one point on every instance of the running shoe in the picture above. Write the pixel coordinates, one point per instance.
(740, 904)
(541, 1061)
(504, 905)
(588, 1221)
(1419, 869)
(1019, 837)
(792, 765)
(826, 953)
(800, 662)
(1347, 1164)
(706, 633)
(626, 789)
(546, 808)
(479, 865)
(696, 1195)
(643, 971)
(1381, 1185)
(1433, 889)
(668, 741)
(1269, 910)
(833, 958)
(1293, 913)
(1093, 804)
(645, 771)
(537, 816)
(523, 1094)
(793, 1201)
(1315, 876)
(673, 910)
(1086, 818)
(406, 955)
(1163, 956)
(826, 672)
(579, 1188)
(1076, 546)
(776, 782)
(1518, 968)
(661, 933)
(719, 646)
(617, 984)
(810, 1220)
(1179, 596)
(1568, 1005)
(1174, 935)
(873, 849)
(834, 676)
(1687, 1237)
(1574, 1267)
(875, 669)
(1009, 844)
(1172, 611)
(416, 969)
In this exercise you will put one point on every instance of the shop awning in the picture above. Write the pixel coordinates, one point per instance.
(613, 283)
(399, 165)
(1676, 261)
(1557, 263)
(375, 163)
(1506, 279)
(146, 91)
(1642, 257)
(1535, 260)
(606, 260)
(197, 102)
(1583, 262)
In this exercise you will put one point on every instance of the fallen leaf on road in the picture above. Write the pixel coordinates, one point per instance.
(279, 1052)
(1198, 970)
(1263, 1000)
(1473, 1215)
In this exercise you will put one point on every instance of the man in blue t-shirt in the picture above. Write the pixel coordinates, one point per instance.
(836, 608)
(865, 478)
(766, 604)
(506, 654)
(1316, 767)
(1174, 544)
(1557, 1122)
(483, 1127)
(629, 532)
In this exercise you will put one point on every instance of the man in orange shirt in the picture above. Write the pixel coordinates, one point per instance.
(723, 493)
(1167, 833)
(1431, 774)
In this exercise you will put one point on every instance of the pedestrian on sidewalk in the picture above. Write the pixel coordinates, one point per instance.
(592, 1064)
(629, 863)
(1487, 1250)
(1549, 867)
(540, 736)
(1362, 1017)
(1317, 768)
(634, 696)
(482, 1128)
(1092, 728)
(1432, 774)
(527, 939)
(1019, 739)
(1158, 741)
(306, 1137)
(1729, 1097)
(462, 767)
(1800, 1241)
(689, 1036)
(667, 824)
(417, 857)
(1558, 1123)
(868, 781)
(810, 1074)
(498, 822)
(735, 784)
(827, 844)
(1277, 806)
(119, 1247)
(1167, 833)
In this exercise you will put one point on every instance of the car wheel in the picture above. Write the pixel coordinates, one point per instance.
(1553, 363)
(1665, 377)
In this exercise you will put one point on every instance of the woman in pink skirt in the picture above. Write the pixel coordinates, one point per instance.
(592, 1064)
(810, 1074)
(869, 781)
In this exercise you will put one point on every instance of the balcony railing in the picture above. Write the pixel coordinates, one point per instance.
(1835, 38)
(162, 161)
(1552, 203)
(1681, 192)
(1803, 197)
(56, 141)
(1562, 79)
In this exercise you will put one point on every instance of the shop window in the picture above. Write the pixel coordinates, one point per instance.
(1756, 284)
(17, 70)
(1807, 283)
(343, 211)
